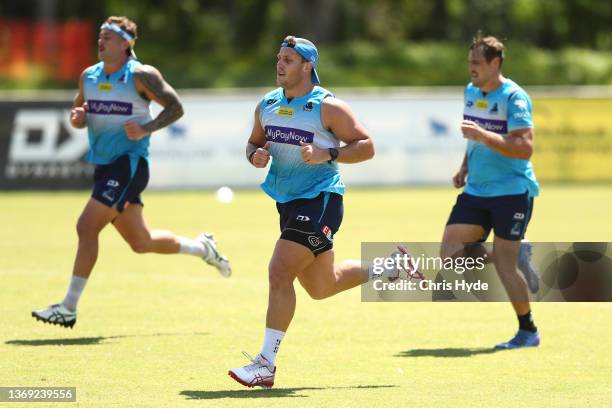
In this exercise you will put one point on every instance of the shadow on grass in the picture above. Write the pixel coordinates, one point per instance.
(269, 393)
(87, 341)
(447, 352)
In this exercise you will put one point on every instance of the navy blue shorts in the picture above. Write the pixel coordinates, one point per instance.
(507, 215)
(118, 183)
(312, 222)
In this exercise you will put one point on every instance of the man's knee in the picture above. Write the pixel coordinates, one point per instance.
(140, 245)
(451, 248)
(506, 261)
(86, 229)
(318, 292)
(447, 250)
(278, 276)
(460, 243)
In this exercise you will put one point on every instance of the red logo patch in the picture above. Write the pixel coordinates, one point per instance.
(327, 232)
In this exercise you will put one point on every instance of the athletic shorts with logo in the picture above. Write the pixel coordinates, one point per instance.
(508, 215)
(312, 222)
(120, 183)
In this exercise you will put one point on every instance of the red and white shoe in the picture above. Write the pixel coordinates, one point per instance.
(260, 373)
(404, 268)
(411, 272)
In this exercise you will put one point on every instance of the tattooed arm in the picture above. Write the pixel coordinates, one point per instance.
(150, 83)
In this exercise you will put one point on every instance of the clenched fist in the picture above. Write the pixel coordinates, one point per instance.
(312, 154)
(261, 157)
(459, 178)
(134, 131)
(78, 116)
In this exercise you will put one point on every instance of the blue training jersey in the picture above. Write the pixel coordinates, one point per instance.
(112, 101)
(490, 173)
(286, 123)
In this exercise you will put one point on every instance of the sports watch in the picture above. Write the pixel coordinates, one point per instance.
(333, 152)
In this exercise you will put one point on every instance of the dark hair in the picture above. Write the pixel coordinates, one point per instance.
(491, 47)
(290, 41)
(127, 25)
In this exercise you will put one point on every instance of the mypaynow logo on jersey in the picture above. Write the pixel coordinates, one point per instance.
(109, 107)
(497, 126)
(286, 135)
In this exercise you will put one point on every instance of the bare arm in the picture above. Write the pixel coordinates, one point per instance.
(464, 164)
(518, 144)
(78, 114)
(258, 136)
(338, 118)
(151, 84)
(459, 177)
(257, 147)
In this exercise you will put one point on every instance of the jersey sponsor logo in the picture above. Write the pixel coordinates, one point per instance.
(285, 111)
(494, 125)
(494, 109)
(482, 104)
(327, 232)
(109, 107)
(105, 86)
(109, 194)
(469, 104)
(520, 103)
(308, 107)
(270, 102)
(314, 240)
(279, 134)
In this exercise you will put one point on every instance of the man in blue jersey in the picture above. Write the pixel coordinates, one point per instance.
(301, 126)
(501, 184)
(113, 102)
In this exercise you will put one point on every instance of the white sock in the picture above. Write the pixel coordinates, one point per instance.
(272, 341)
(370, 270)
(77, 284)
(192, 247)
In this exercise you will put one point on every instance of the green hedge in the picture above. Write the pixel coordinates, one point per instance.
(422, 64)
(368, 64)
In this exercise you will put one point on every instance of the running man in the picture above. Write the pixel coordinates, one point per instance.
(501, 184)
(113, 102)
(300, 126)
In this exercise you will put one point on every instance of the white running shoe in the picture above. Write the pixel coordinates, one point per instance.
(56, 314)
(215, 258)
(257, 374)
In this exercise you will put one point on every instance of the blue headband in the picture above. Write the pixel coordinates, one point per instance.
(307, 50)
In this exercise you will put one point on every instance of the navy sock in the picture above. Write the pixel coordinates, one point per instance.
(526, 323)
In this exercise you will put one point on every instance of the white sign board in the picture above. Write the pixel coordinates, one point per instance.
(417, 140)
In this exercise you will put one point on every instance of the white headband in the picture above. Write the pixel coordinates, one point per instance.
(116, 29)
(122, 33)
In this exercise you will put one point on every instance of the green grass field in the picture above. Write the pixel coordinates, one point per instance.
(159, 330)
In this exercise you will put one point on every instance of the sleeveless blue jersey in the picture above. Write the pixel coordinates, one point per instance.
(112, 101)
(286, 123)
(492, 174)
